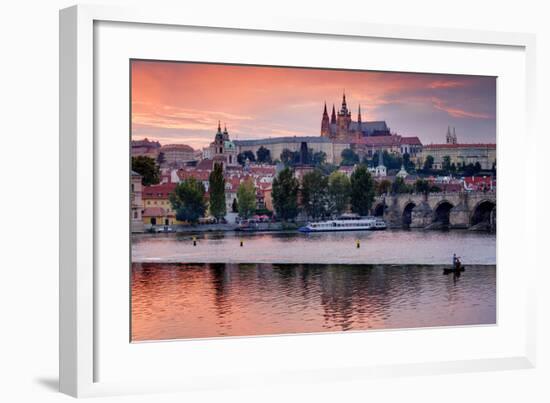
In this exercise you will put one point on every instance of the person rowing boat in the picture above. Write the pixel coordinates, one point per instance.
(457, 266)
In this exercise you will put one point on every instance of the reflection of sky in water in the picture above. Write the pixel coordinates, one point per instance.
(403, 247)
(208, 300)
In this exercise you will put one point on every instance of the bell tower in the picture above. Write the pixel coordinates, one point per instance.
(343, 121)
(325, 124)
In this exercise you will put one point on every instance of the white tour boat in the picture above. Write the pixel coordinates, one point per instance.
(346, 223)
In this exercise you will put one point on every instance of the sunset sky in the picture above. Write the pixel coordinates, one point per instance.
(182, 102)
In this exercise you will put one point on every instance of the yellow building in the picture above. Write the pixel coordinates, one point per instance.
(157, 207)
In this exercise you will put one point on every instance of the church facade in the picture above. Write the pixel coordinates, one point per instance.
(222, 149)
(340, 126)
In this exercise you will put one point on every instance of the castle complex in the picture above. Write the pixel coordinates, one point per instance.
(341, 127)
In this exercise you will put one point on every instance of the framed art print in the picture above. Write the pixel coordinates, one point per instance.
(236, 199)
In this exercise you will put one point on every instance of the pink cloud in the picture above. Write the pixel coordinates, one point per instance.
(457, 112)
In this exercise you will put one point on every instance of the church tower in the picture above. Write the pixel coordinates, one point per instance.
(325, 124)
(218, 141)
(343, 121)
(359, 129)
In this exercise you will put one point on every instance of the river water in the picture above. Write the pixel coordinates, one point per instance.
(391, 246)
(281, 283)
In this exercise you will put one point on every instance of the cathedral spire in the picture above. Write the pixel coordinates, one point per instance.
(344, 104)
(325, 113)
(219, 126)
(359, 115)
(333, 117)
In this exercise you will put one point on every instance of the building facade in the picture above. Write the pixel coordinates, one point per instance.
(177, 155)
(145, 148)
(136, 202)
(461, 154)
(276, 145)
(157, 207)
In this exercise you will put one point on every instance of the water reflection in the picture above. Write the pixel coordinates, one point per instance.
(208, 300)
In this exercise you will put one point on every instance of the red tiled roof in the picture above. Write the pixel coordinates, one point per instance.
(476, 180)
(158, 191)
(464, 145)
(263, 170)
(380, 141)
(195, 173)
(414, 141)
(206, 165)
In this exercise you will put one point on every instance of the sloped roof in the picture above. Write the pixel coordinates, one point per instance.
(459, 145)
(161, 191)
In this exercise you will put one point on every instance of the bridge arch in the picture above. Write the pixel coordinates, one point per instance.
(483, 211)
(378, 210)
(442, 212)
(407, 214)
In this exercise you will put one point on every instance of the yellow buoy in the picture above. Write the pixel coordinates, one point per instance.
(241, 242)
(358, 243)
(194, 241)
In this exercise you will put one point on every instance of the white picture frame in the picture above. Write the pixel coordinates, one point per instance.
(80, 156)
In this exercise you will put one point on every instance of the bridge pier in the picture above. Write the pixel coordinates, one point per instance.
(421, 215)
(392, 215)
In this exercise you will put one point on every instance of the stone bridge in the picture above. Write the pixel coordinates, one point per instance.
(473, 210)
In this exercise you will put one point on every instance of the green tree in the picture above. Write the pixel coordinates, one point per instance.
(362, 190)
(339, 189)
(161, 159)
(319, 158)
(392, 160)
(285, 194)
(477, 167)
(383, 187)
(217, 192)
(147, 168)
(349, 157)
(315, 194)
(399, 186)
(246, 198)
(409, 165)
(446, 166)
(428, 162)
(263, 155)
(287, 157)
(422, 186)
(469, 170)
(375, 160)
(242, 157)
(188, 200)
